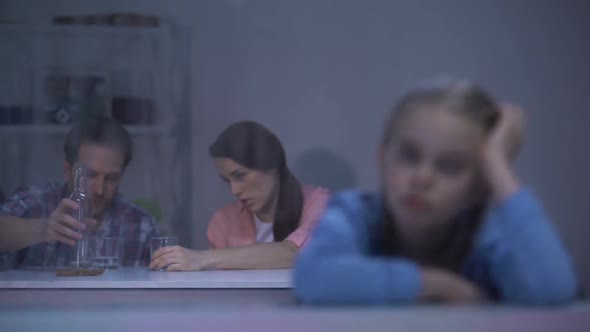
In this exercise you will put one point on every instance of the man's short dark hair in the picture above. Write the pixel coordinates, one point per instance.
(100, 130)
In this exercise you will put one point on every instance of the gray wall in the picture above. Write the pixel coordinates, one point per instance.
(322, 74)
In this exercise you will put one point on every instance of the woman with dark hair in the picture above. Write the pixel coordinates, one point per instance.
(272, 216)
(452, 223)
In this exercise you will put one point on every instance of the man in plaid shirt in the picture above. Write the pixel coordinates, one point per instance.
(36, 226)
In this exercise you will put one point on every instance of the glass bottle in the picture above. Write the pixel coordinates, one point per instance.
(82, 251)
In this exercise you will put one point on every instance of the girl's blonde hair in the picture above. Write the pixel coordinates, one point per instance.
(457, 96)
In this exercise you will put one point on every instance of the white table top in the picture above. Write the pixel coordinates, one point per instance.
(297, 319)
(144, 278)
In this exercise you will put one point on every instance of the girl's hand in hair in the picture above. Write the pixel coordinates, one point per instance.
(506, 137)
(500, 150)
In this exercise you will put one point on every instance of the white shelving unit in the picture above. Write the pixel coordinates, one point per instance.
(147, 63)
(40, 130)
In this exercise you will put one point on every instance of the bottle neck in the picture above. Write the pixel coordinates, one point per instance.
(80, 183)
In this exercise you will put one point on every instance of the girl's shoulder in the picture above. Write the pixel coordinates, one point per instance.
(356, 205)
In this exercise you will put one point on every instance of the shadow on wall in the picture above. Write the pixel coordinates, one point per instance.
(322, 167)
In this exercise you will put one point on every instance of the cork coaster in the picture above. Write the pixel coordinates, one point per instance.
(79, 272)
